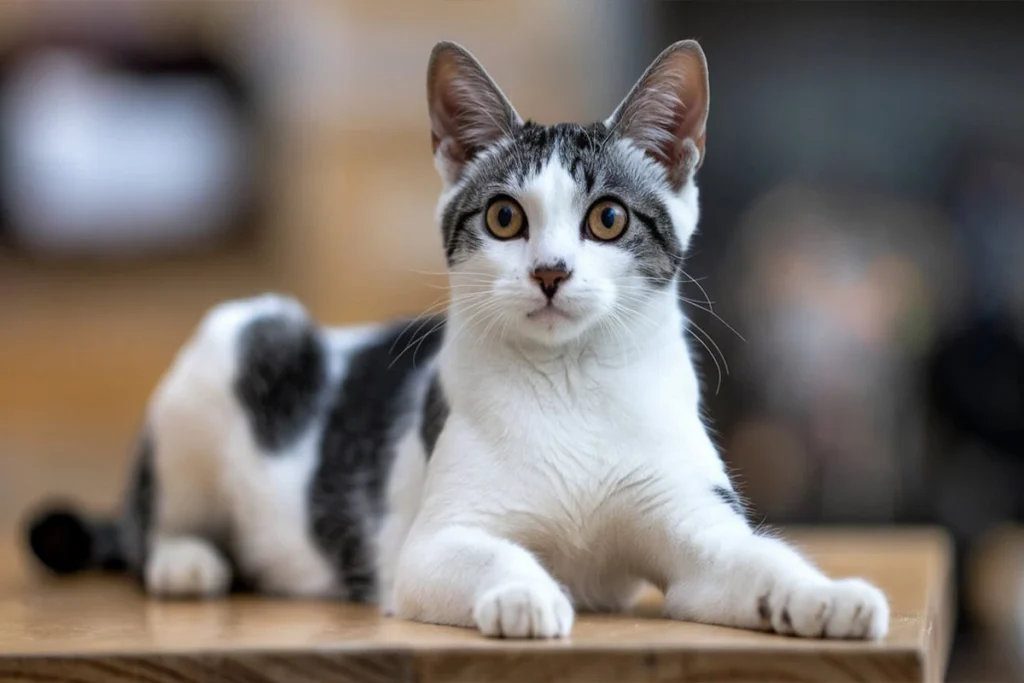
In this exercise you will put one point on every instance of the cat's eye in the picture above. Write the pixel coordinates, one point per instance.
(607, 220)
(505, 218)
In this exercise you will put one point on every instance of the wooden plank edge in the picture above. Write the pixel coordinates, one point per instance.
(515, 663)
(941, 605)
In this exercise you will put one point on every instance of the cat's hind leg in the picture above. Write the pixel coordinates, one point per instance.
(191, 415)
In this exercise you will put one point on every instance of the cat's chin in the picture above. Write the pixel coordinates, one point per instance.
(552, 326)
(550, 315)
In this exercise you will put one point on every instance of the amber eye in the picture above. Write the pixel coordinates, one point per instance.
(505, 218)
(607, 220)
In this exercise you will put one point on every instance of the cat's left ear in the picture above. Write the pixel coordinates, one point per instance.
(666, 112)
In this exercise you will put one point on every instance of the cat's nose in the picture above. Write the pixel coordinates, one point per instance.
(549, 278)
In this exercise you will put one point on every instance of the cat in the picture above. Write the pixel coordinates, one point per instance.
(537, 450)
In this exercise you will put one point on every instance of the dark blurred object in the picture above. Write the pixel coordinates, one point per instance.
(115, 141)
(978, 384)
(978, 369)
(841, 294)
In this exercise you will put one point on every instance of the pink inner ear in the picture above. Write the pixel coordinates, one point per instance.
(467, 110)
(444, 127)
(666, 112)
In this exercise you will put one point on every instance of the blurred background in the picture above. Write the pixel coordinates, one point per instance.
(857, 285)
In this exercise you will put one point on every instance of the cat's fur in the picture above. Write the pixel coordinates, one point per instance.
(548, 454)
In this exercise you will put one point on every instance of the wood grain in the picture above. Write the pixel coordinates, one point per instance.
(100, 629)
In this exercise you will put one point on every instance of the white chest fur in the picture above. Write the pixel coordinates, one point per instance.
(564, 451)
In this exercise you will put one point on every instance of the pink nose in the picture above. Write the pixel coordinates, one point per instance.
(550, 278)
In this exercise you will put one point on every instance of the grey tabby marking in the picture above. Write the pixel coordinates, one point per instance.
(282, 374)
(602, 169)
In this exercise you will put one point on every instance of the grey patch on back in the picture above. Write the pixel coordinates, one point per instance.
(282, 374)
(435, 414)
(373, 403)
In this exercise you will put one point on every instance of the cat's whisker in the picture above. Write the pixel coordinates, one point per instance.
(699, 286)
(459, 285)
(418, 340)
(717, 317)
(623, 335)
(465, 322)
(471, 313)
(448, 274)
(422, 319)
(714, 360)
(696, 303)
(690, 327)
(492, 323)
(426, 315)
(628, 296)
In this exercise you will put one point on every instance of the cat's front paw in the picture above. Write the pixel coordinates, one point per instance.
(522, 610)
(847, 608)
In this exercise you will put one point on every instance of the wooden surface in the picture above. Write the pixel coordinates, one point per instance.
(101, 629)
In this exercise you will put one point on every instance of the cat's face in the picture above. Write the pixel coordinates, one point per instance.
(552, 232)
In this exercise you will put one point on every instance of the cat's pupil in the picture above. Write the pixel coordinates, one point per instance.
(608, 217)
(504, 216)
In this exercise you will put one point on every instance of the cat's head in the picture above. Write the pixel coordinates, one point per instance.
(552, 232)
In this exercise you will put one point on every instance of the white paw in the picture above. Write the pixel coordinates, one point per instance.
(848, 608)
(186, 568)
(522, 610)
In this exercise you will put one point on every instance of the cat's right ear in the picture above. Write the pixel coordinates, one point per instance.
(468, 112)
(666, 112)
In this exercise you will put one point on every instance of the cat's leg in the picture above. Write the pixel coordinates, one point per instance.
(191, 414)
(458, 566)
(182, 559)
(465, 576)
(269, 429)
(404, 490)
(716, 569)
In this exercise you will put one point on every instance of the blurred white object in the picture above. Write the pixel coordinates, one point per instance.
(102, 163)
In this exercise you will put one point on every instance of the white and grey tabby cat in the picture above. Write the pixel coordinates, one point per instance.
(538, 450)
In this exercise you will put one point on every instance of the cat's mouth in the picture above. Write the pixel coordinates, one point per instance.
(549, 313)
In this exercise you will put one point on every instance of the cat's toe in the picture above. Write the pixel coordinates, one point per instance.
(860, 611)
(848, 608)
(186, 568)
(524, 611)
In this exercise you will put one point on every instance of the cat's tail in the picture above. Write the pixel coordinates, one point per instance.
(67, 541)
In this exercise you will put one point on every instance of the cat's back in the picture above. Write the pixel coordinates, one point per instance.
(276, 436)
